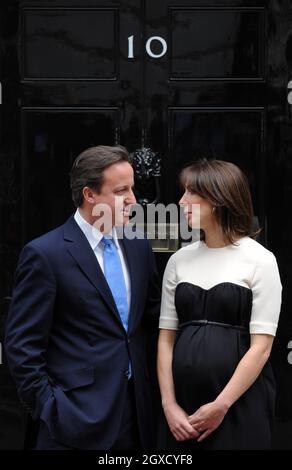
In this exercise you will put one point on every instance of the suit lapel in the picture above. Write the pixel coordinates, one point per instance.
(132, 266)
(81, 251)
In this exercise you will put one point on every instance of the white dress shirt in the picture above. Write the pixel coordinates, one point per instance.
(94, 237)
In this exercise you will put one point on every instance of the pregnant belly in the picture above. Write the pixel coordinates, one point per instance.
(204, 359)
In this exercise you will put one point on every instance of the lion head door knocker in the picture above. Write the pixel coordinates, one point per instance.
(147, 168)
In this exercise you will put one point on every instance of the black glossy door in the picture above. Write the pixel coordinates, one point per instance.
(78, 89)
(221, 91)
(188, 79)
(67, 84)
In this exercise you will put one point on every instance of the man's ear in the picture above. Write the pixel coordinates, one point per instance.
(88, 195)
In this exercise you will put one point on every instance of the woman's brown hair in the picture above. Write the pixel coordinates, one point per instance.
(226, 187)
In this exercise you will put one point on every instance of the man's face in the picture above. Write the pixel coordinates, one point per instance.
(113, 203)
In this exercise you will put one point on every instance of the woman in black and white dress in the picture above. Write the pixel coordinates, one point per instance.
(220, 306)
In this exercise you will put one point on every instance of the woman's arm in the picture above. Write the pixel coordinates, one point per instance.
(176, 417)
(208, 417)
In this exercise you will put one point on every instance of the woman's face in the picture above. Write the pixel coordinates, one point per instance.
(198, 211)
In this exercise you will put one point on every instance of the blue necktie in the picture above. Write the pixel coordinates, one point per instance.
(114, 275)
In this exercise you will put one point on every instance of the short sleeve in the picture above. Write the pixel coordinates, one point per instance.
(267, 292)
(168, 317)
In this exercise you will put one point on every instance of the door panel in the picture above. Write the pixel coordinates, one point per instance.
(212, 88)
(77, 89)
(235, 133)
(52, 138)
(70, 43)
(234, 50)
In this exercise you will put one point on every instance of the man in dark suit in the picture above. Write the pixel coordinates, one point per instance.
(82, 304)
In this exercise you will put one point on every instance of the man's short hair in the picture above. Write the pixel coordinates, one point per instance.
(88, 169)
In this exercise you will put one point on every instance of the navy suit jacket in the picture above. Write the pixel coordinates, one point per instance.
(65, 343)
